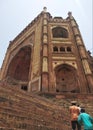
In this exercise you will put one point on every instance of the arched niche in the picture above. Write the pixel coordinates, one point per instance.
(55, 49)
(59, 32)
(66, 79)
(20, 64)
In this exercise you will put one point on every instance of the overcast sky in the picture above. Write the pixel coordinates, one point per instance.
(15, 15)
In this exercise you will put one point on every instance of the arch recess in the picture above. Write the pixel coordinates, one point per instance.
(66, 79)
(20, 64)
(60, 32)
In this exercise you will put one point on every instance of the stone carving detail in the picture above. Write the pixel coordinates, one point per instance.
(79, 42)
(82, 52)
(45, 22)
(45, 39)
(45, 29)
(86, 67)
(45, 64)
(75, 31)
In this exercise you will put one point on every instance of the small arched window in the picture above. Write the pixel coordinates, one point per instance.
(24, 87)
(55, 49)
(59, 32)
(62, 49)
(69, 49)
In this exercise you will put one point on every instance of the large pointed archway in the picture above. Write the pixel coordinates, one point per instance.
(66, 79)
(19, 66)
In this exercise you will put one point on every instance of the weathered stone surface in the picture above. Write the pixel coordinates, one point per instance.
(21, 110)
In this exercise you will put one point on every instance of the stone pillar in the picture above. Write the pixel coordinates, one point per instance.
(82, 52)
(4, 65)
(45, 74)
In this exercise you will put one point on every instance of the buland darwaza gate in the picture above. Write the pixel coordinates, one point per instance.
(49, 55)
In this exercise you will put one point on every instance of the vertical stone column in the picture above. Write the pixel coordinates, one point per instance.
(45, 75)
(82, 51)
(4, 66)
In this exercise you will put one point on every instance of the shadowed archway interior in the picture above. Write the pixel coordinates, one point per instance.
(66, 79)
(59, 32)
(20, 65)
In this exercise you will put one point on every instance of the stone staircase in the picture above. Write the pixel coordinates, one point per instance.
(20, 110)
(64, 100)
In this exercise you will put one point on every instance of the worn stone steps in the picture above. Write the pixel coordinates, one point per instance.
(26, 111)
(23, 111)
(85, 100)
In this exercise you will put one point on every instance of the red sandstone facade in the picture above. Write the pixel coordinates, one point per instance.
(49, 55)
